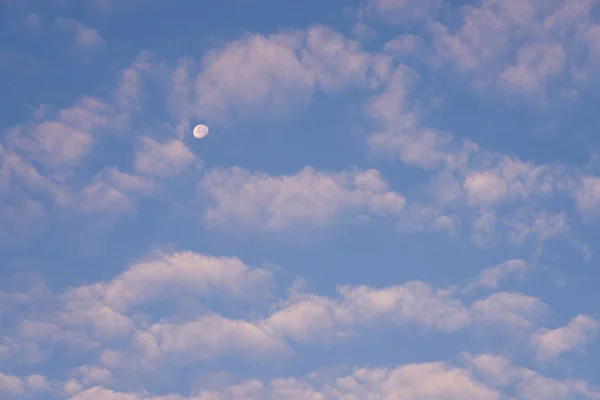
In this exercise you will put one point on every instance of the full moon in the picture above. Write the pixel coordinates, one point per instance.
(200, 131)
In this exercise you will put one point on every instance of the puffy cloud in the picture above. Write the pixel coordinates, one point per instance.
(547, 39)
(164, 275)
(337, 62)
(93, 375)
(490, 277)
(399, 12)
(208, 337)
(309, 197)
(509, 310)
(68, 138)
(400, 133)
(418, 381)
(536, 64)
(403, 44)
(255, 71)
(38, 383)
(528, 384)
(163, 159)
(113, 191)
(552, 343)
(10, 385)
(129, 89)
(86, 40)
(587, 195)
(274, 74)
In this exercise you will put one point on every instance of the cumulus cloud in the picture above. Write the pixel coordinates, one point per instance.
(485, 376)
(274, 74)
(172, 309)
(491, 277)
(163, 159)
(65, 140)
(164, 275)
(398, 12)
(312, 198)
(86, 40)
(528, 384)
(550, 344)
(10, 385)
(541, 36)
(587, 195)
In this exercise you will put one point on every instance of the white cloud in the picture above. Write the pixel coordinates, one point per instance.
(165, 275)
(163, 159)
(403, 45)
(32, 21)
(587, 195)
(67, 139)
(38, 383)
(509, 310)
(99, 196)
(536, 64)
(86, 40)
(309, 197)
(112, 191)
(400, 133)
(93, 375)
(253, 72)
(492, 276)
(552, 343)
(129, 91)
(540, 226)
(546, 38)
(528, 384)
(11, 385)
(417, 381)
(337, 62)
(275, 74)
(400, 12)
(210, 336)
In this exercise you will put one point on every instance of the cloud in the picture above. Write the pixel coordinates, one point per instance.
(253, 72)
(92, 375)
(211, 336)
(116, 313)
(536, 65)
(484, 376)
(10, 385)
(587, 195)
(162, 160)
(308, 198)
(403, 45)
(32, 21)
(509, 310)
(528, 384)
(128, 95)
(65, 140)
(552, 343)
(400, 134)
(398, 12)
(87, 41)
(491, 277)
(274, 74)
(337, 62)
(113, 192)
(164, 275)
(545, 38)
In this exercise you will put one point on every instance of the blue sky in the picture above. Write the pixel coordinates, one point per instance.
(397, 199)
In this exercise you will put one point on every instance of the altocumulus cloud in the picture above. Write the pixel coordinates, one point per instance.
(209, 317)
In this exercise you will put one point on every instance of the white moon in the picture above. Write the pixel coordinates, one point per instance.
(200, 131)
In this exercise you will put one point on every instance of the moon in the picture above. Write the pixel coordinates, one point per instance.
(200, 131)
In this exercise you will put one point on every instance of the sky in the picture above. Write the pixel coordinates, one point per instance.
(397, 200)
